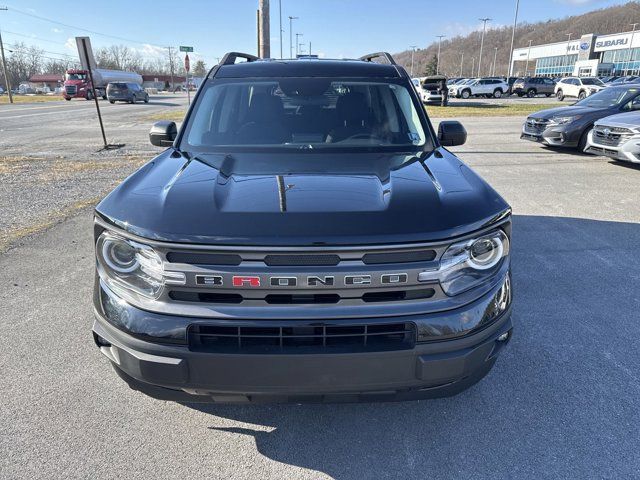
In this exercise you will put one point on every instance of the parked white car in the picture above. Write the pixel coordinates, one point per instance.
(617, 136)
(426, 95)
(577, 87)
(489, 87)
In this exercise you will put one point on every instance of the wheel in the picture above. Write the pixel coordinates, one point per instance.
(560, 95)
(520, 94)
(465, 94)
(146, 98)
(134, 99)
(68, 99)
(104, 97)
(582, 95)
(89, 95)
(547, 95)
(497, 93)
(531, 93)
(112, 102)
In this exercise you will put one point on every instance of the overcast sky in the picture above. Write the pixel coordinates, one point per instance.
(336, 28)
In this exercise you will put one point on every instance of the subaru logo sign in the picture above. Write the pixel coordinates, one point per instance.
(606, 132)
(584, 46)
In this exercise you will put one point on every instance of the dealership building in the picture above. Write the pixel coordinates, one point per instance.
(590, 55)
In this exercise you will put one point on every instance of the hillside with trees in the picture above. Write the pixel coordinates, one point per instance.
(607, 20)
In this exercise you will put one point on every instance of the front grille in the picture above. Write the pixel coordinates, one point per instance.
(301, 298)
(611, 136)
(71, 89)
(301, 260)
(302, 339)
(535, 126)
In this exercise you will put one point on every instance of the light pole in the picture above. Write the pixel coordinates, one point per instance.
(513, 36)
(484, 28)
(461, 61)
(526, 68)
(473, 65)
(4, 66)
(413, 50)
(298, 35)
(567, 52)
(291, 19)
(440, 37)
(633, 32)
(280, 15)
(495, 55)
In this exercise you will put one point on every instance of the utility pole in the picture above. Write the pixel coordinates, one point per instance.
(513, 36)
(298, 35)
(309, 49)
(4, 66)
(526, 68)
(633, 33)
(473, 65)
(567, 52)
(495, 55)
(484, 28)
(440, 37)
(280, 15)
(291, 19)
(265, 35)
(461, 61)
(171, 67)
(413, 50)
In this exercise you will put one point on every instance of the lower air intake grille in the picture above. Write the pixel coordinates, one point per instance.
(301, 260)
(302, 339)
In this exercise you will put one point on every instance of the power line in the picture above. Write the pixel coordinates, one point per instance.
(16, 46)
(31, 37)
(21, 12)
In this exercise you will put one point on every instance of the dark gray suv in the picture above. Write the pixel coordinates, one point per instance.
(532, 86)
(126, 92)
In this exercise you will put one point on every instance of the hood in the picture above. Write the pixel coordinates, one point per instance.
(303, 199)
(625, 120)
(566, 112)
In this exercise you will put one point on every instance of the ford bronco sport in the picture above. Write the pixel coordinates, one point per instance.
(305, 236)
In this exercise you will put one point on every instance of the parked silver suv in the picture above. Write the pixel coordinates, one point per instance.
(532, 86)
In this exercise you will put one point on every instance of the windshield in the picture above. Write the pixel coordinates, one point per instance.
(592, 81)
(307, 113)
(609, 97)
(76, 76)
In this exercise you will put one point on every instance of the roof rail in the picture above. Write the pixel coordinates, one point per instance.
(371, 56)
(230, 58)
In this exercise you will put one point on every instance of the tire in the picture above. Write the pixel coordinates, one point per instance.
(104, 97)
(465, 94)
(89, 95)
(560, 95)
(134, 99)
(497, 93)
(112, 102)
(582, 95)
(531, 93)
(68, 99)
(146, 99)
(547, 95)
(520, 94)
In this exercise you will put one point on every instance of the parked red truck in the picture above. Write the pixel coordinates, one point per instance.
(77, 83)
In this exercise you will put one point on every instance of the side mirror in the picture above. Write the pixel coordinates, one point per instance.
(451, 133)
(163, 133)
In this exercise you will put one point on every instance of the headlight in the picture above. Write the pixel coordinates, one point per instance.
(470, 263)
(125, 264)
(564, 120)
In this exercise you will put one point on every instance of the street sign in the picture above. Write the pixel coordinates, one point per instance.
(187, 64)
(186, 49)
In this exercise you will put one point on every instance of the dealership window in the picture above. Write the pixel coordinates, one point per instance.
(626, 62)
(559, 65)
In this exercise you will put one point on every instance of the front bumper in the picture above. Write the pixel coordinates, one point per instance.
(554, 136)
(628, 151)
(442, 366)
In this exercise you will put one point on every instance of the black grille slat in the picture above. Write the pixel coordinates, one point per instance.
(301, 260)
(195, 258)
(302, 339)
(399, 257)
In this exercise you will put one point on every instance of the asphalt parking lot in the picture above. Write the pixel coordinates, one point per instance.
(562, 401)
